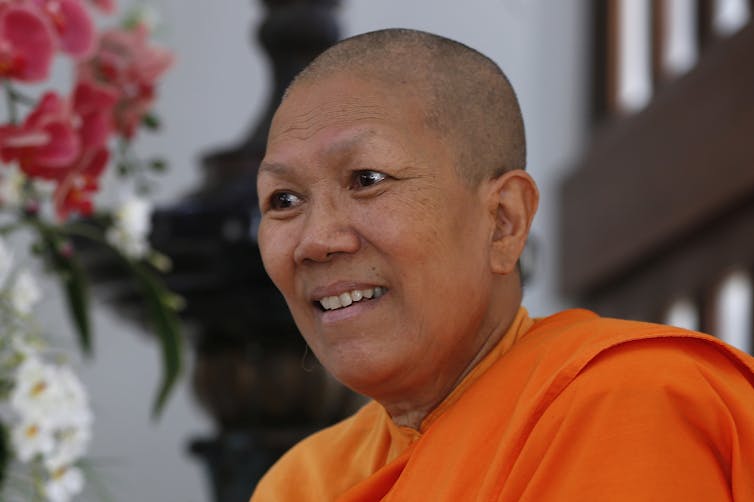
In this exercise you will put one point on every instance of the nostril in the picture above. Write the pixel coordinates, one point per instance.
(322, 242)
(312, 250)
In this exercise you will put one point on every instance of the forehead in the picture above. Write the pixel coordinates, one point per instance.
(343, 102)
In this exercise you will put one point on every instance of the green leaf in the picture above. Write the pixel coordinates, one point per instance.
(10, 228)
(151, 121)
(37, 248)
(158, 165)
(4, 452)
(165, 324)
(74, 283)
(77, 298)
(123, 168)
(164, 320)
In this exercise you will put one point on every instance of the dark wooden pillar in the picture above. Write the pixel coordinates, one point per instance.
(250, 373)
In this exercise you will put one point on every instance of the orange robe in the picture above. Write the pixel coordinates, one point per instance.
(569, 408)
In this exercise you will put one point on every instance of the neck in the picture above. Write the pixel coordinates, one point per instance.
(412, 412)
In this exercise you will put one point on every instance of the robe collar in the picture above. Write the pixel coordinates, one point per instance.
(519, 326)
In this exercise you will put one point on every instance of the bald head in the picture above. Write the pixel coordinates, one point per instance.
(467, 99)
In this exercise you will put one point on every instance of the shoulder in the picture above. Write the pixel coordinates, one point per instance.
(650, 353)
(666, 362)
(584, 358)
(577, 339)
(645, 355)
(661, 413)
(690, 380)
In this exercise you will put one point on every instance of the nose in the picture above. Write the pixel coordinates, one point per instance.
(327, 231)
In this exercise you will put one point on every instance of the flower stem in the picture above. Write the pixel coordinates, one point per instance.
(20, 97)
(14, 97)
(11, 101)
(85, 231)
(10, 228)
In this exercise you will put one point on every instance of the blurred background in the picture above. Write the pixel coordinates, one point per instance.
(639, 118)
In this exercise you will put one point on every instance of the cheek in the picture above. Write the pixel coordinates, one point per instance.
(402, 224)
(276, 249)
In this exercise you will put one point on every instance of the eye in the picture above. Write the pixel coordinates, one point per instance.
(284, 200)
(363, 179)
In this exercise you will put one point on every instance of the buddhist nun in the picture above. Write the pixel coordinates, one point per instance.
(395, 207)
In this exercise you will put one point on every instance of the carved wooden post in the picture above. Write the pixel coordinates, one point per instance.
(249, 373)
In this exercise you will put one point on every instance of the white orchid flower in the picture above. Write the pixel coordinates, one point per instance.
(25, 292)
(50, 395)
(35, 395)
(30, 439)
(131, 228)
(64, 484)
(23, 347)
(73, 407)
(12, 187)
(70, 447)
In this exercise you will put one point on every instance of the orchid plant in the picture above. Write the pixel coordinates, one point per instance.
(54, 150)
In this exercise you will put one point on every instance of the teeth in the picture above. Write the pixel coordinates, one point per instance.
(346, 299)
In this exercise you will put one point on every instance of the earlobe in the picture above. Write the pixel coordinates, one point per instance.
(513, 201)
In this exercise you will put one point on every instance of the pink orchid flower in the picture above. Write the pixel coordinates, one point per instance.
(46, 143)
(73, 194)
(126, 60)
(93, 104)
(106, 6)
(27, 44)
(93, 107)
(65, 142)
(73, 25)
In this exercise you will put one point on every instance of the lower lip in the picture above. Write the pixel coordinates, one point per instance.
(352, 311)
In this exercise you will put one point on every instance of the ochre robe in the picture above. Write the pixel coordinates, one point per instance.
(569, 408)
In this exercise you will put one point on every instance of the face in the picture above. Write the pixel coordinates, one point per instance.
(378, 247)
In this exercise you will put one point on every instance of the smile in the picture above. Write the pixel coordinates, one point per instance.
(349, 297)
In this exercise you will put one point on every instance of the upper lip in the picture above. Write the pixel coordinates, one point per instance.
(340, 287)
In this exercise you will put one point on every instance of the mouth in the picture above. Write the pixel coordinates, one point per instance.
(348, 298)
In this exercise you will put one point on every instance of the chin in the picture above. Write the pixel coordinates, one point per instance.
(367, 376)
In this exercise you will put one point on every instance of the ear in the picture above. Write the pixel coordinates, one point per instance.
(512, 199)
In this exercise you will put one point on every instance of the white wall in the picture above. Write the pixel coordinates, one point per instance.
(208, 100)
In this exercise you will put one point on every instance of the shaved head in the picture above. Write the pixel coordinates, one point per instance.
(393, 175)
(467, 98)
